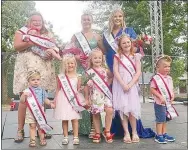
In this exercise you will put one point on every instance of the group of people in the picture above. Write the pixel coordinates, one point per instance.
(34, 74)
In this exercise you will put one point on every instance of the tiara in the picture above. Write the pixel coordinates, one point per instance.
(120, 36)
(159, 58)
(68, 55)
(31, 73)
(116, 7)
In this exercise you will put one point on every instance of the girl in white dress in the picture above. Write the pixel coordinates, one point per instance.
(65, 110)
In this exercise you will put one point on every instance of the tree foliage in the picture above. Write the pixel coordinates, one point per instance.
(14, 16)
(137, 13)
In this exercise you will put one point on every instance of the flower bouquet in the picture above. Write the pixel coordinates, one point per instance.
(142, 42)
(71, 48)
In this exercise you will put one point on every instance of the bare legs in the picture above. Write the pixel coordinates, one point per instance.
(75, 132)
(21, 121)
(132, 120)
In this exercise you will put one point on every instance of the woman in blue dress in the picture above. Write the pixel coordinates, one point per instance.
(116, 28)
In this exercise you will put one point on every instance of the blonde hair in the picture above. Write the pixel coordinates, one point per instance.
(43, 29)
(111, 23)
(161, 58)
(63, 65)
(120, 51)
(96, 50)
(32, 74)
(87, 14)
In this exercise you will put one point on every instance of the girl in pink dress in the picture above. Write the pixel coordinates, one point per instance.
(127, 70)
(100, 101)
(65, 110)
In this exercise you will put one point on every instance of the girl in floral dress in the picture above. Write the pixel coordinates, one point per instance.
(100, 101)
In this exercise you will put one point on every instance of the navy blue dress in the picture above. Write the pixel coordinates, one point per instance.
(116, 122)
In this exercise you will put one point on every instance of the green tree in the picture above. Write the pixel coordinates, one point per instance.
(14, 16)
(174, 20)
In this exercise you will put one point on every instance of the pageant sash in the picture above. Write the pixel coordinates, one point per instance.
(37, 111)
(83, 43)
(70, 93)
(111, 41)
(42, 42)
(127, 64)
(164, 90)
(100, 82)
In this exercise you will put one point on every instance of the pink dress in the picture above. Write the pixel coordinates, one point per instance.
(126, 102)
(64, 110)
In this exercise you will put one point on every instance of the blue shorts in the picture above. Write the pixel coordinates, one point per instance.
(160, 113)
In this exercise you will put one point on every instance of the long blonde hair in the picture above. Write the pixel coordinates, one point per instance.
(43, 29)
(111, 24)
(63, 66)
(120, 51)
(96, 50)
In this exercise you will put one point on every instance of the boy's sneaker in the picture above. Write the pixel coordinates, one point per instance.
(160, 139)
(168, 138)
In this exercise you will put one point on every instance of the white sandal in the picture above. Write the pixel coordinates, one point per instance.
(76, 141)
(65, 141)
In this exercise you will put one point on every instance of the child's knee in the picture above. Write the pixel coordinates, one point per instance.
(109, 110)
(32, 126)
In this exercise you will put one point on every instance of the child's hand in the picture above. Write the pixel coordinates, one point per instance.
(162, 100)
(125, 88)
(26, 38)
(52, 104)
(27, 94)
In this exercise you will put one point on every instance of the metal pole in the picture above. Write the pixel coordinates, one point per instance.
(143, 85)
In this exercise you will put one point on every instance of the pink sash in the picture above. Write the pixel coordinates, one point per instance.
(37, 112)
(127, 64)
(70, 93)
(165, 92)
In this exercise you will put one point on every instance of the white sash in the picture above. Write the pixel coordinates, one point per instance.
(164, 90)
(37, 112)
(83, 43)
(127, 64)
(101, 83)
(111, 41)
(37, 40)
(70, 93)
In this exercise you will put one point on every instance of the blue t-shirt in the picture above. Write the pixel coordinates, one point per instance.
(40, 94)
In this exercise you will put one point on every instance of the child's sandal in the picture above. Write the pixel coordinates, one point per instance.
(135, 138)
(127, 139)
(65, 141)
(43, 142)
(32, 143)
(108, 139)
(96, 138)
(76, 141)
(20, 136)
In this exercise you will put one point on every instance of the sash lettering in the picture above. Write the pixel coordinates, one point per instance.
(83, 43)
(37, 112)
(70, 93)
(111, 41)
(42, 42)
(164, 90)
(100, 83)
(127, 64)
